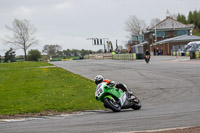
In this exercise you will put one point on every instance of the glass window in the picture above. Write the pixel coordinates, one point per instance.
(135, 38)
(180, 32)
(160, 33)
(166, 33)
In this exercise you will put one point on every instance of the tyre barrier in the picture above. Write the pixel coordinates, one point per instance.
(194, 55)
(124, 56)
(177, 53)
(187, 53)
(180, 54)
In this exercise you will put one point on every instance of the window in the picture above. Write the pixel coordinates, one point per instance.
(135, 38)
(180, 32)
(166, 33)
(162, 34)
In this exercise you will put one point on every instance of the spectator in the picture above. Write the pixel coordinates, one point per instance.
(157, 52)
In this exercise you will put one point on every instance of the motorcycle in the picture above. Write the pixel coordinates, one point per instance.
(147, 58)
(115, 98)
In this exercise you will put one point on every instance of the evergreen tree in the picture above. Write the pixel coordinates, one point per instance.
(198, 23)
(193, 18)
(190, 18)
(182, 18)
(10, 56)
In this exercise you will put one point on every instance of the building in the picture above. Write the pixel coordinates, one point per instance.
(169, 30)
(166, 37)
(135, 40)
(174, 44)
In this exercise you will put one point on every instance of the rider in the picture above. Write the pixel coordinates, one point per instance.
(147, 52)
(99, 79)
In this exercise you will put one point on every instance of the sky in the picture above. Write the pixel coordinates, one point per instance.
(69, 23)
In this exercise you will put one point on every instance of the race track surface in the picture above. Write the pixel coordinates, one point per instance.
(168, 87)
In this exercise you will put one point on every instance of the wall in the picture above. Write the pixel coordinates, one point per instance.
(167, 47)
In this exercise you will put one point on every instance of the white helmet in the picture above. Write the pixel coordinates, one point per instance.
(98, 79)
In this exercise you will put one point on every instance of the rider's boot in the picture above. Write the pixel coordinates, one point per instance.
(129, 92)
(130, 95)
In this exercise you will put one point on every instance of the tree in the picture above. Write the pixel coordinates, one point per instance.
(75, 52)
(22, 35)
(190, 17)
(193, 18)
(10, 56)
(59, 53)
(99, 51)
(174, 16)
(67, 52)
(34, 55)
(51, 50)
(84, 52)
(182, 18)
(135, 25)
(154, 21)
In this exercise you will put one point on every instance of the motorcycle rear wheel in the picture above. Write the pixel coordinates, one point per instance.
(113, 105)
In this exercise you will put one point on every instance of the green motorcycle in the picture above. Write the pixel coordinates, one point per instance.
(115, 98)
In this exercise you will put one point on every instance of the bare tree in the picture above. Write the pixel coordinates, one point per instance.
(135, 25)
(22, 35)
(168, 14)
(174, 16)
(154, 21)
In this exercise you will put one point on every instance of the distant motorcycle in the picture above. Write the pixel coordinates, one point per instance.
(116, 99)
(147, 58)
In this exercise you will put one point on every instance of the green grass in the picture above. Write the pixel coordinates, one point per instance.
(29, 87)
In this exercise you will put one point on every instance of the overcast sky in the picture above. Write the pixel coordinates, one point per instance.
(69, 22)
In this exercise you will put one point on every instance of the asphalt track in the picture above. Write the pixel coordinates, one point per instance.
(169, 89)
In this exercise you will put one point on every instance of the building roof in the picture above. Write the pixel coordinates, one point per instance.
(182, 38)
(170, 23)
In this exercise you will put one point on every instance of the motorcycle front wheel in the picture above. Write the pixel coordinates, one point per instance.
(136, 104)
(112, 104)
(147, 60)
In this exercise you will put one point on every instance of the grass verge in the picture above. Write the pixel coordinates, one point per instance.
(33, 87)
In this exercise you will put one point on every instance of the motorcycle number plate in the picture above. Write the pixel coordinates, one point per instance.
(99, 91)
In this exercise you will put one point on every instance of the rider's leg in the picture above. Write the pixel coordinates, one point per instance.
(122, 87)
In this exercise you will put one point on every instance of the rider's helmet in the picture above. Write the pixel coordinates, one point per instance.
(98, 79)
(147, 52)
